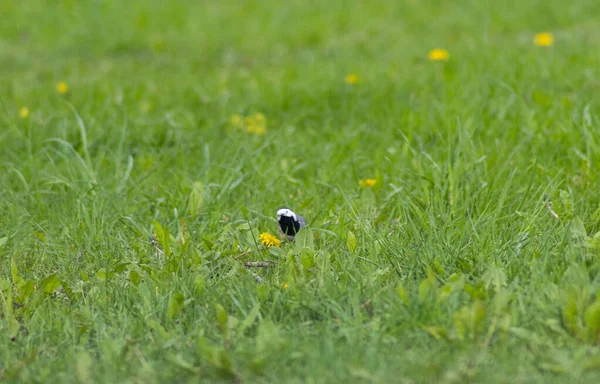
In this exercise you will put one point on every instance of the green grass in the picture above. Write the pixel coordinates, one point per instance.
(451, 269)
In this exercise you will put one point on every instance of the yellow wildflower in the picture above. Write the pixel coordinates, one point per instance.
(255, 124)
(438, 54)
(269, 240)
(237, 121)
(256, 129)
(285, 285)
(62, 87)
(543, 39)
(351, 79)
(23, 112)
(259, 118)
(368, 183)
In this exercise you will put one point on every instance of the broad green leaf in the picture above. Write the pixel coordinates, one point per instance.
(304, 239)
(208, 242)
(438, 333)
(268, 336)
(351, 242)
(222, 318)
(5, 285)
(243, 227)
(66, 287)
(250, 318)
(41, 236)
(596, 241)
(402, 293)
(134, 277)
(578, 233)
(101, 274)
(592, 363)
(3, 240)
(225, 365)
(307, 259)
(158, 231)
(461, 320)
(469, 320)
(183, 235)
(196, 198)
(276, 252)
(83, 367)
(13, 327)
(244, 212)
(262, 291)
(175, 305)
(567, 204)
(495, 278)
(592, 321)
(180, 362)
(14, 272)
(50, 284)
(427, 285)
(438, 267)
(455, 283)
(119, 268)
(27, 289)
(199, 285)
(164, 237)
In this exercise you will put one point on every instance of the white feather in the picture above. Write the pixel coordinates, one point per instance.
(287, 213)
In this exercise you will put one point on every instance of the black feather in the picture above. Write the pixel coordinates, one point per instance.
(289, 226)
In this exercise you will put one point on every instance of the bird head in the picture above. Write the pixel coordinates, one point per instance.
(285, 212)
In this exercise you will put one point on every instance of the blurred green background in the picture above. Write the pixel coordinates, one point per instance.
(449, 269)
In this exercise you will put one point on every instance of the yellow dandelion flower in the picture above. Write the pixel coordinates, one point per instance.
(256, 129)
(351, 79)
(255, 124)
(367, 183)
(543, 39)
(23, 112)
(249, 120)
(237, 121)
(438, 54)
(285, 285)
(62, 87)
(269, 240)
(259, 118)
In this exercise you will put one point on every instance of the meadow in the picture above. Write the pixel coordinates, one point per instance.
(444, 154)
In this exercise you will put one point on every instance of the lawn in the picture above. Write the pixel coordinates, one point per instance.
(445, 156)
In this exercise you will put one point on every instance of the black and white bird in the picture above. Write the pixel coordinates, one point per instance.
(289, 223)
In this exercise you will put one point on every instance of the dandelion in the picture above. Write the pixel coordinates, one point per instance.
(438, 54)
(285, 285)
(23, 112)
(543, 39)
(255, 124)
(237, 121)
(259, 118)
(269, 240)
(351, 79)
(368, 183)
(62, 87)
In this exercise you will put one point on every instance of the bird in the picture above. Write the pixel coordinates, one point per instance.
(289, 223)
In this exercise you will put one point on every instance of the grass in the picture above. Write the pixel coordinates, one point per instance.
(450, 268)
